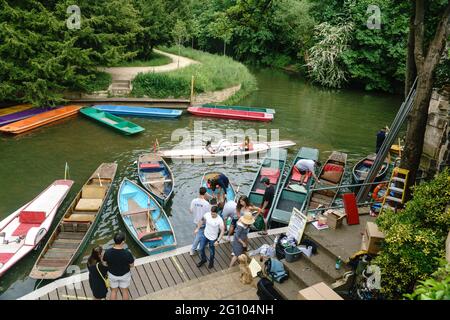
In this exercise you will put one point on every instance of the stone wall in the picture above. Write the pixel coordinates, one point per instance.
(436, 148)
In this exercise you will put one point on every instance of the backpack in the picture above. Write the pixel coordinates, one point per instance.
(266, 291)
(279, 249)
(275, 270)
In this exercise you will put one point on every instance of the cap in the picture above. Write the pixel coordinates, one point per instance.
(265, 180)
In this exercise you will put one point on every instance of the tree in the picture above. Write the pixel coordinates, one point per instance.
(221, 28)
(426, 61)
(179, 34)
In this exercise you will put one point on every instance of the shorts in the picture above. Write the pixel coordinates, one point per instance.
(119, 282)
(266, 212)
(234, 222)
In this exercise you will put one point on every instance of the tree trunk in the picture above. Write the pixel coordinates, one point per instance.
(425, 65)
(224, 47)
(411, 71)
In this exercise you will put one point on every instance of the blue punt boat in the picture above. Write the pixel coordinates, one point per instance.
(231, 193)
(140, 111)
(145, 219)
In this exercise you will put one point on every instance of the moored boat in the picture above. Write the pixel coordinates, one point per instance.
(139, 111)
(223, 150)
(231, 192)
(241, 108)
(24, 229)
(76, 226)
(14, 109)
(122, 125)
(145, 219)
(331, 175)
(293, 192)
(231, 114)
(156, 176)
(362, 168)
(272, 167)
(40, 119)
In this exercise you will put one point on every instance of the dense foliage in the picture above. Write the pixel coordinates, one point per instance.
(435, 288)
(415, 237)
(213, 73)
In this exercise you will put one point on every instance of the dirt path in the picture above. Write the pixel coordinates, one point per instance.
(216, 96)
(128, 73)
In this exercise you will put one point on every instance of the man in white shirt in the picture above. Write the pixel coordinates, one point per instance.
(305, 166)
(213, 224)
(199, 206)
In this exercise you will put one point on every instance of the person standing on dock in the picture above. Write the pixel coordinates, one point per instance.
(229, 211)
(269, 195)
(213, 225)
(98, 274)
(306, 165)
(199, 207)
(119, 262)
(240, 240)
(381, 136)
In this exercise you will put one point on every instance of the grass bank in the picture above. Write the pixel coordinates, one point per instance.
(213, 73)
(155, 60)
(99, 81)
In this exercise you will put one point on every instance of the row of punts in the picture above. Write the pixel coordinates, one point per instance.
(24, 118)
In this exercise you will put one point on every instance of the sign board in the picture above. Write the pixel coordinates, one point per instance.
(297, 225)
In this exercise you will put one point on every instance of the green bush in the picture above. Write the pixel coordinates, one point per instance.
(212, 73)
(414, 237)
(99, 81)
(435, 288)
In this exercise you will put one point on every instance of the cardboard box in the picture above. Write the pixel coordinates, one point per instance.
(373, 238)
(335, 218)
(319, 291)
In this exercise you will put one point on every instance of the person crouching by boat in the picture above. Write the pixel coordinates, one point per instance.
(119, 262)
(98, 274)
(221, 184)
(306, 165)
(213, 225)
(199, 207)
(240, 239)
(269, 195)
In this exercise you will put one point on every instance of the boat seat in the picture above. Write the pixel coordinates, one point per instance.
(23, 229)
(296, 175)
(93, 192)
(4, 257)
(260, 191)
(150, 166)
(36, 217)
(272, 173)
(88, 204)
(80, 217)
(368, 163)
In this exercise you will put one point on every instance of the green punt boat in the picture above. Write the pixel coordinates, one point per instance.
(241, 108)
(110, 120)
(293, 193)
(271, 167)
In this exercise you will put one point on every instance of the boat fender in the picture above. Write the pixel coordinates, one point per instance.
(378, 188)
(34, 236)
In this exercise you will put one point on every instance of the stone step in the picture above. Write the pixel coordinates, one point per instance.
(121, 81)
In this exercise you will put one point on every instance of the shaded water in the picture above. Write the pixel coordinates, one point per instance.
(328, 120)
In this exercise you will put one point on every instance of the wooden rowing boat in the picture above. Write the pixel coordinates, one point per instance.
(241, 108)
(156, 176)
(14, 109)
(40, 120)
(230, 114)
(271, 167)
(362, 168)
(76, 226)
(331, 175)
(24, 229)
(293, 193)
(145, 219)
(122, 125)
(140, 111)
(223, 150)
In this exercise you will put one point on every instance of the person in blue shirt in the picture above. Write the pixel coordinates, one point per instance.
(381, 136)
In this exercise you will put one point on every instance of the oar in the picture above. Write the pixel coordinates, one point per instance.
(148, 216)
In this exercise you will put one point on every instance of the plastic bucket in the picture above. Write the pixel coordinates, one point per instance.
(292, 254)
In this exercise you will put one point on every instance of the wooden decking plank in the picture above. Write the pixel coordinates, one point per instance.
(87, 290)
(138, 282)
(145, 280)
(186, 267)
(71, 292)
(173, 265)
(80, 291)
(134, 294)
(158, 274)
(62, 293)
(189, 264)
(53, 295)
(44, 297)
(222, 258)
(165, 272)
(152, 277)
(193, 260)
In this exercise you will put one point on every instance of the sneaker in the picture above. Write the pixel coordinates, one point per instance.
(201, 263)
(211, 265)
(193, 252)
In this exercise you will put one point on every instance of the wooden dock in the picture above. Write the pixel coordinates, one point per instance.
(151, 274)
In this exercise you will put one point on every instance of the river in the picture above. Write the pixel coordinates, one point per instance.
(343, 120)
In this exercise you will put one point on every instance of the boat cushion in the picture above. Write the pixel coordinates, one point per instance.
(333, 167)
(4, 257)
(88, 204)
(80, 217)
(332, 176)
(93, 192)
(23, 228)
(32, 217)
(296, 175)
(271, 173)
(368, 163)
(150, 166)
(260, 191)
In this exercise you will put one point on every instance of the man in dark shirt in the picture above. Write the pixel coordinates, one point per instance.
(269, 194)
(119, 261)
(381, 135)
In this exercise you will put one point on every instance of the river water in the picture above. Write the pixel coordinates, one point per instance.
(329, 120)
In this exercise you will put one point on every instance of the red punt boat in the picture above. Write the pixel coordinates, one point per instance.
(230, 114)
